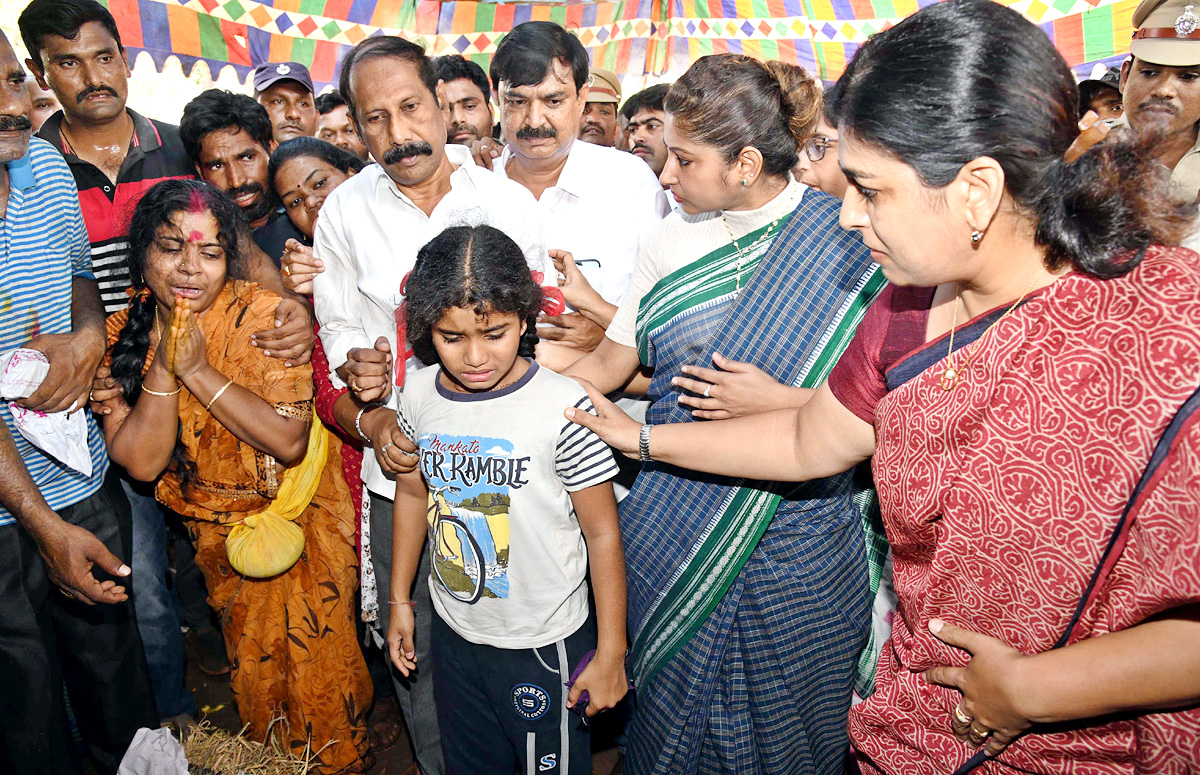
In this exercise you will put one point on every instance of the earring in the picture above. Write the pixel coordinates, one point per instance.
(743, 181)
(976, 236)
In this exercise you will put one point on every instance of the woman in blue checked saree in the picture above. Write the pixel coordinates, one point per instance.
(749, 602)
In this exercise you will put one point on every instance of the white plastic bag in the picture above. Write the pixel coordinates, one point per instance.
(62, 435)
(154, 752)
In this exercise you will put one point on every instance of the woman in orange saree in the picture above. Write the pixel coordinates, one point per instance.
(1029, 387)
(218, 424)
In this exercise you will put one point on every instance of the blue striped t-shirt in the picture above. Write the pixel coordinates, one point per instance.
(43, 246)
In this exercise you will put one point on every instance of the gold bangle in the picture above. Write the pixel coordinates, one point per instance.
(174, 392)
(208, 406)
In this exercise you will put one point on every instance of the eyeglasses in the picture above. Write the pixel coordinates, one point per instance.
(815, 148)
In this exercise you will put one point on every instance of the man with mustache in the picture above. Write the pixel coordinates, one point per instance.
(366, 242)
(59, 527)
(540, 72)
(646, 117)
(468, 108)
(228, 136)
(114, 153)
(1160, 87)
(600, 123)
(285, 89)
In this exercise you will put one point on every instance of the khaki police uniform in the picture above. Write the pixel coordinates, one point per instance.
(1167, 32)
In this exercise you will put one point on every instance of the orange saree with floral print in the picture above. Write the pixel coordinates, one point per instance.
(298, 671)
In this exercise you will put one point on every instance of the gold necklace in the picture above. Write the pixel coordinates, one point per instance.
(737, 289)
(952, 375)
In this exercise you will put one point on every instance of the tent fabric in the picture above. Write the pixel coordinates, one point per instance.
(628, 37)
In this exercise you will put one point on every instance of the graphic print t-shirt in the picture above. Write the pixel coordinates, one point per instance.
(508, 555)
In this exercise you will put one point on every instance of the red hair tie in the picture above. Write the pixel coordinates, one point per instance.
(403, 351)
(553, 301)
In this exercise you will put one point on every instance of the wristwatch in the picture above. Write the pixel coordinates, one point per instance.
(644, 444)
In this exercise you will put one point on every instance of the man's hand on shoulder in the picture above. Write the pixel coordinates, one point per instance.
(292, 339)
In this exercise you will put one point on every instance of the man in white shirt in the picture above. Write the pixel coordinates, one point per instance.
(598, 203)
(367, 238)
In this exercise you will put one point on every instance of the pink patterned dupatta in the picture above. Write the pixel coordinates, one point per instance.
(1001, 497)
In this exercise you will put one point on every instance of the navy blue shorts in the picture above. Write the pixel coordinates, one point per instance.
(504, 710)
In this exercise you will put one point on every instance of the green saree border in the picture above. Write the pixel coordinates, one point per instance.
(735, 531)
(707, 279)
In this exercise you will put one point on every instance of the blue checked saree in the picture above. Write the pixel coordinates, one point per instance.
(748, 601)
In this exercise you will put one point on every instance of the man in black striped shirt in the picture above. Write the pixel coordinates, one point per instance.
(114, 153)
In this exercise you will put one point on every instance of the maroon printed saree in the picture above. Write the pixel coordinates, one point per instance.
(1078, 421)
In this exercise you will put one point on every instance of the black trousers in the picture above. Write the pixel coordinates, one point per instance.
(504, 710)
(47, 638)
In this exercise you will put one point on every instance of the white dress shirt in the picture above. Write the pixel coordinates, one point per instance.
(604, 209)
(368, 236)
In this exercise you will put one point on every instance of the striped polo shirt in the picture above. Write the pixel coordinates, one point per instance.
(43, 246)
(155, 153)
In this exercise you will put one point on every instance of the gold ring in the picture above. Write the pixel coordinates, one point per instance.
(961, 717)
(976, 734)
(287, 270)
(65, 592)
(354, 384)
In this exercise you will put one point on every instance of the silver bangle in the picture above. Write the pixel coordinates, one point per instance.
(358, 421)
(644, 444)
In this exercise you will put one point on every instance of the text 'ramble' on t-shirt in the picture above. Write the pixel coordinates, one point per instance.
(508, 555)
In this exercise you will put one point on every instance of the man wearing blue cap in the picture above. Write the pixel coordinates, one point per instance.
(285, 89)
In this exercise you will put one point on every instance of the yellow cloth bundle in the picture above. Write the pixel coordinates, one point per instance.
(269, 542)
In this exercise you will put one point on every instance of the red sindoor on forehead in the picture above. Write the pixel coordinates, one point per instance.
(196, 202)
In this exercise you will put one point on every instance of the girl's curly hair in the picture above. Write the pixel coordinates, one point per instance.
(473, 267)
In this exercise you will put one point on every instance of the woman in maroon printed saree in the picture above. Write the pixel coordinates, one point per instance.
(1030, 390)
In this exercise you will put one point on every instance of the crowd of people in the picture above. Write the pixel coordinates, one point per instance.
(821, 429)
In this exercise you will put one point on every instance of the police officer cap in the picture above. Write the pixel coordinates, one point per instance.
(1167, 32)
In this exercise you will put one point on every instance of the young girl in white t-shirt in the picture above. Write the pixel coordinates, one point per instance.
(507, 491)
